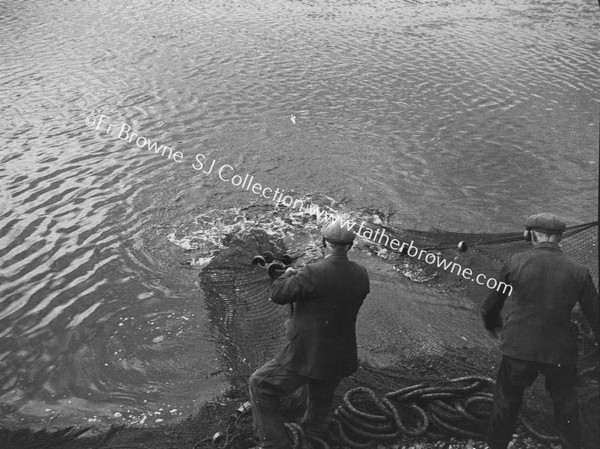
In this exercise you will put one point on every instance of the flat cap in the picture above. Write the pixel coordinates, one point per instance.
(546, 222)
(338, 232)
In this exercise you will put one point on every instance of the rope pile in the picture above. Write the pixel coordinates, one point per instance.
(458, 408)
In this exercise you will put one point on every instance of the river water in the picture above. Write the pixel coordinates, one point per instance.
(456, 115)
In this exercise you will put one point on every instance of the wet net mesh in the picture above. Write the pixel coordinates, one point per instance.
(441, 338)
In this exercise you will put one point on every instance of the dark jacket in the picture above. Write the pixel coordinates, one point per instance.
(321, 337)
(537, 323)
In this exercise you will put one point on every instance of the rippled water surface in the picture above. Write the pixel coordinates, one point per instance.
(459, 115)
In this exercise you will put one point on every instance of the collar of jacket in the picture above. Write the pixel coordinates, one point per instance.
(548, 246)
(336, 257)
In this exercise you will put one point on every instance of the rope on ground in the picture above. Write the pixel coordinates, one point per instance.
(419, 410)
(458, 407)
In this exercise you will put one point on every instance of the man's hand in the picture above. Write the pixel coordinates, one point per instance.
(291, 270)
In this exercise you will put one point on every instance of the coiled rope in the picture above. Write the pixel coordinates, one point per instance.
(459, 407)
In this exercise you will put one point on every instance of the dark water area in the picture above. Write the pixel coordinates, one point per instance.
(463, 116)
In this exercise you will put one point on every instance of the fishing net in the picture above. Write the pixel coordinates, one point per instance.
(438, 338)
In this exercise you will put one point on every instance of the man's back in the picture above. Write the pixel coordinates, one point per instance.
(537, 335)
(546, 287)
(321, 339)
(327, 297)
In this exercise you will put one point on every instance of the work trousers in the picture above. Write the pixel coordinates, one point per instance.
(513, 377)
(272, 382)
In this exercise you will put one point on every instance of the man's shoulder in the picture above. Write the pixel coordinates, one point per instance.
(333, 264)
(558, 257)
(523, 255)
(540, 252)
(358, 266)
(359, 271)
(315, 267)
(581, 270)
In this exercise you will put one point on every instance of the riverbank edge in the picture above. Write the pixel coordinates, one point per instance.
(210, 428)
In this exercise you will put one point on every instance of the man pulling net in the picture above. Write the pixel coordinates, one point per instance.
(321, 339)
(536, 334)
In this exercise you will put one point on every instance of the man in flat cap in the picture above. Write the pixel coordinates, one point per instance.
(321, 338)
(536, 334)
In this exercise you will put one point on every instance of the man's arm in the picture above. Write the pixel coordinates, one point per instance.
(492, 306)
(589, 305)
(292, 286)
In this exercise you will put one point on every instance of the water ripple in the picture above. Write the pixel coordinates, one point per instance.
(441, 112)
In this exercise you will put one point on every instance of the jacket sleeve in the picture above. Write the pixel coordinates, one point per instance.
(492, 306)
(589, 303)
(292, 287)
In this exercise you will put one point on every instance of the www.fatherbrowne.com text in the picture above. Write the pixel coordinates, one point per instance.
(227, 173)
(379, 237)
(246, 182)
